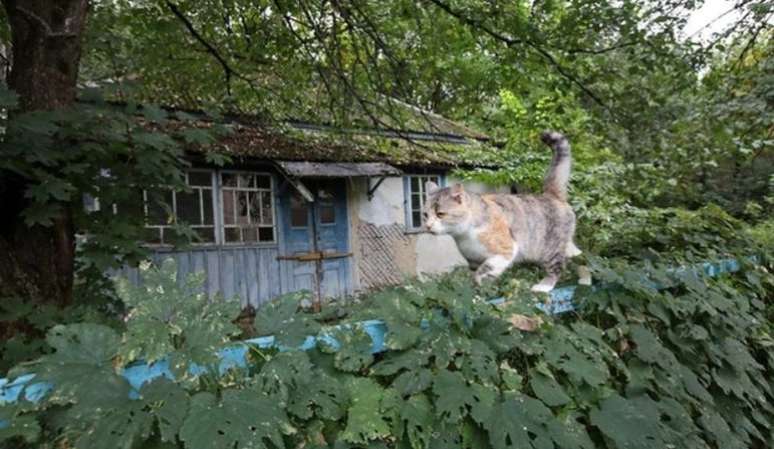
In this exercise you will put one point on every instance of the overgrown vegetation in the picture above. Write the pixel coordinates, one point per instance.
(686, 366)
(673, 166)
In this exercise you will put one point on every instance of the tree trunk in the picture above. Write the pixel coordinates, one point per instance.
(37, 262)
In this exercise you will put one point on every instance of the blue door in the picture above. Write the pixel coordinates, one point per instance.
(315, 237)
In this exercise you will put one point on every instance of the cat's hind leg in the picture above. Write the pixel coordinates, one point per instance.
(553, 269)
(571, 250)
(492, 267)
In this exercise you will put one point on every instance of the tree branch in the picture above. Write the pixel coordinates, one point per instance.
(46, 27)
(227, 70)
(509, 41)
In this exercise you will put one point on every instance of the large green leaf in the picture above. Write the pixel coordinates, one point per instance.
(81, 351)
(548, 390)
(365, 420)
(17, 425)
(282, 319)
(453, 396)
(632, 423)
(240, 418)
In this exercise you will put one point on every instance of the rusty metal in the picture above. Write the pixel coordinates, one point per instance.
(314, 255)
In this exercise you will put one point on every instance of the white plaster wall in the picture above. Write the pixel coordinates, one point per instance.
(386, 207)
(436, 254)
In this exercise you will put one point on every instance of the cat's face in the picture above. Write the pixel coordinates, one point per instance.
(447, 210)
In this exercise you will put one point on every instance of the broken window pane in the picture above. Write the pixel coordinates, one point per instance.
(200, 178)
(267, 215)
(264, 182)
(298, 212)
(327, 214)
(229, 208)
(249, 235)
(188, 210)
(241, 208)
(207, 206)
(228, 180)
(265, 234)
(159, 207)
(232, 235)
(206, 235)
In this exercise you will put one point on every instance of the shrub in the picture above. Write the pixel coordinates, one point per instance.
(635, 367)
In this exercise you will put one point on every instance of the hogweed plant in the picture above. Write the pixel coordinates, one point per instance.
(685, 366)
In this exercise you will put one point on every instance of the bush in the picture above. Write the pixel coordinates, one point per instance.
(688, 366)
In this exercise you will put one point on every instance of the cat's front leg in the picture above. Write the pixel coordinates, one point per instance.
(492, 267)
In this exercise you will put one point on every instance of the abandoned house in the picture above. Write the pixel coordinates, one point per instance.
(294, 211)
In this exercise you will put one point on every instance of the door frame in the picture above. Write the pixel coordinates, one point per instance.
(286, 188)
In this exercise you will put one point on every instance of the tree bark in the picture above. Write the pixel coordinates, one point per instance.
(37, 262)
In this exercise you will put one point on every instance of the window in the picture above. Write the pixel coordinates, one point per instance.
(325, 207)
(415, 201)
(165, 208)
(299, 211)
(247, 208)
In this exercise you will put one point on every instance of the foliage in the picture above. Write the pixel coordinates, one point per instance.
(97, 150)
(672, 147)
(687, 366)
(184, 325)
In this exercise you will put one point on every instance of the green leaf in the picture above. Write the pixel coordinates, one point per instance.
(395, 362)
(120, 428)
(453, 396)
(548, 390)
(168, 403)
(519, 420)
(153, 113)
(631, 423)
(365, 420)
(81, 351)
(18, 425)
(242, 418)
(413, 381)
(355, 352)
(282, 319)
(415, 417)
(318, 394)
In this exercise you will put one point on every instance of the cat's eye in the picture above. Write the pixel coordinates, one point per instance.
(440, 214)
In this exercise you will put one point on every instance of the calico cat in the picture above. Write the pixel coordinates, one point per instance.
(495, 231)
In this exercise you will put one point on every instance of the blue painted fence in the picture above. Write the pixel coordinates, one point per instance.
(561, 301)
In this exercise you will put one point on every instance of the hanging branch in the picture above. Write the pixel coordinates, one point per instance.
(228, 71)
(510, 42)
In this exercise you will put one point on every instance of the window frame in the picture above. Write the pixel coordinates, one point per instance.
(221, 209)
(407, 194)
(197, 188)
(218, 225)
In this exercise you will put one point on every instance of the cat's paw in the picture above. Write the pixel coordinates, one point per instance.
(542, 288)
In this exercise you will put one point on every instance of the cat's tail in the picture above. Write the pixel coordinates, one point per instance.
(558, 175)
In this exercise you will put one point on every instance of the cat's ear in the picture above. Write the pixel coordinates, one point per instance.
(458, 192)
(431, 187)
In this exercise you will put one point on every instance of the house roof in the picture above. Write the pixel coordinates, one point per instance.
(301, 169)
(425, 139)
(303, 141)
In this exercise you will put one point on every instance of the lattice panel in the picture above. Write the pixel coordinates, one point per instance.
(378, 254)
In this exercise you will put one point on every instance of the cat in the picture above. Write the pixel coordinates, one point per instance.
(494, 231)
